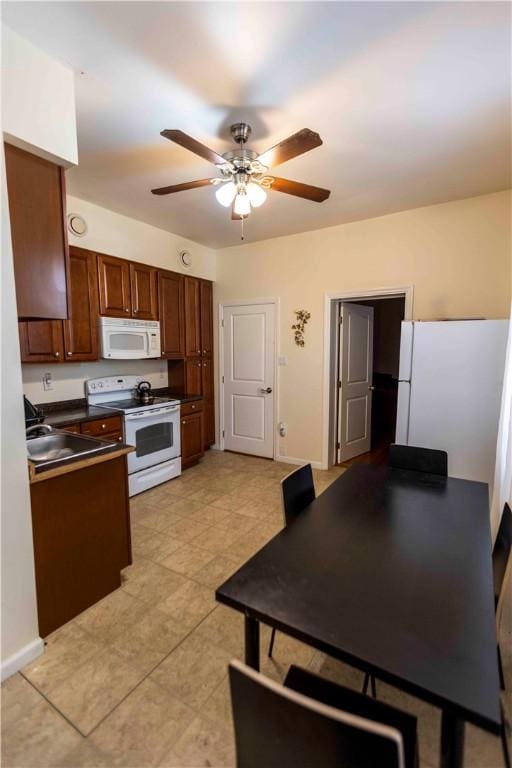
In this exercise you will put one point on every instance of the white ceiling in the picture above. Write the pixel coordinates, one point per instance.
(412, 101)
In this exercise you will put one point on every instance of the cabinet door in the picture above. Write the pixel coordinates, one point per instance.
(194, 377)
(114, 286)
(209, 410)
(172, 314)
(206, 318)
(143, 281)
(81, 330)
(41, 341)
(192, 317)
(192, 438)
(38, 231)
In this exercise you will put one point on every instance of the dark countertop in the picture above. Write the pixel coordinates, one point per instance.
(74, 411)
(181, 396)
(38, 473)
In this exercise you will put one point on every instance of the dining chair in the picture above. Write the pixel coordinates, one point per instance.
(309, 721)
(418, 459)
(297, 492)
(501, 568)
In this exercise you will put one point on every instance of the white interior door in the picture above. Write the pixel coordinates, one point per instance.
(249, 379)
(355, 380)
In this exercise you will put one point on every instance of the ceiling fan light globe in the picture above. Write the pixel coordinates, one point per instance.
(225, 194)
(256, 194)
(242, 204)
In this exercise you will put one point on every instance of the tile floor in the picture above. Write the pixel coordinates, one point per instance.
(140, 679)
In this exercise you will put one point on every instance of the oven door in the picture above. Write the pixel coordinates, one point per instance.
(155, 434)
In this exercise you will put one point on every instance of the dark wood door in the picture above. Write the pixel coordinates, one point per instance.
(114, 286)
(172, 314)
(41, 341)
(194, 377)
(144, 290)
(81, 330)
(208, 395)
(206, 294)
(192, 317)
(192, 438)
(37, 208)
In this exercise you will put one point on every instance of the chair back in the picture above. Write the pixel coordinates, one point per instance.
(298, 490)
(502, 561)
(277, 727)
(418, 459)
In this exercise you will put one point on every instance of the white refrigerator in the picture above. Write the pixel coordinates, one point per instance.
(449, 391)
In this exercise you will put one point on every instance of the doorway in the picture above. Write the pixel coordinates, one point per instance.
(367, 364)
(247, 377)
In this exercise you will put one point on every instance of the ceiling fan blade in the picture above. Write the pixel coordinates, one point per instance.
(186, 141)
(295, 145)
(181, 187)
(307, 191)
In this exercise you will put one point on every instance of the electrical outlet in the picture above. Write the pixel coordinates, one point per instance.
(47, 382)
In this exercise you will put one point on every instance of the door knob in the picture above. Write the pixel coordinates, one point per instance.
(371, 387)
(266, 391)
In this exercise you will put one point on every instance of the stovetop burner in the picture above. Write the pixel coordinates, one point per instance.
(133, 403)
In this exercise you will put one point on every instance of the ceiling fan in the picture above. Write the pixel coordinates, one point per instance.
(244, 177)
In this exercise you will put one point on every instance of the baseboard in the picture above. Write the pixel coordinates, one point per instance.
(216, 447)
(292, 460)
(21, 658)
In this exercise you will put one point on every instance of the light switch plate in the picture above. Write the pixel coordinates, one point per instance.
(282, 360)
(47, 382)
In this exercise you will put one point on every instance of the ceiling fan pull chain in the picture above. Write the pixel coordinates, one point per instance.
(242, 225)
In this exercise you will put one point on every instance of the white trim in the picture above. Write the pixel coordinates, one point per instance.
(355, 295)
(247, 303)
(21, 658)
(300, 462)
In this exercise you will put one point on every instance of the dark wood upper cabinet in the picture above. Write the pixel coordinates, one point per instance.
(192, 316)
(114, 286)
(172, 314)
(81, 330)
(144, 291)
(41, 341)
(206, 294)
(37, 206)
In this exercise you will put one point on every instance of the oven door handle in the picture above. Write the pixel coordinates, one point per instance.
(151, 414)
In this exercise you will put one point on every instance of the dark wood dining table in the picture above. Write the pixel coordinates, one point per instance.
(390, 571)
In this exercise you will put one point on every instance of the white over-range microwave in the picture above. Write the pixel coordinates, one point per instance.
(124, 339)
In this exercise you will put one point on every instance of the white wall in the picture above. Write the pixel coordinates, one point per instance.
(69, 378)
(456, 255)
(128, 238)
(38, 113)
(38, 101)
(20, 635)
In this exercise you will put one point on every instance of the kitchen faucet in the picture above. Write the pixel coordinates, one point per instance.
(31, 429)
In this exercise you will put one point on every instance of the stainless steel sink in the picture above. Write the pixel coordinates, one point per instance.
(58, 446)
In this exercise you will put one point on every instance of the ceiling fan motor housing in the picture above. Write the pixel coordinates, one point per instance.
(240, 132)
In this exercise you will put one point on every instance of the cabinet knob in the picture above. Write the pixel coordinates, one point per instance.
(199, 365)
(69, 354)
(120, 438)
(135, 311)
(183, 422)
(205, 351)
(57, 354)
(103, 426)
(126, 309)
(193, 407)
(198, 351)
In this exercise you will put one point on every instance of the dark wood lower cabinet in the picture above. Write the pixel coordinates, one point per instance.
(81, 530)
(192, 433)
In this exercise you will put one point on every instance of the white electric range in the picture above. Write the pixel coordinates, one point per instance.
(152, 428)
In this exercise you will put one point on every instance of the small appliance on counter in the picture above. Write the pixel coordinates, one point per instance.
(150, 423)
(32, 414)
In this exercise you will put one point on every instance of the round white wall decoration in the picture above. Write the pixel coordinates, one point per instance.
(77, 225)
(185, 259)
